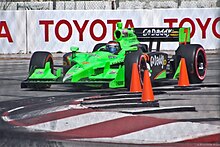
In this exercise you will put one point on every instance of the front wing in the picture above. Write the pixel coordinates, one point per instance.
(44, 77)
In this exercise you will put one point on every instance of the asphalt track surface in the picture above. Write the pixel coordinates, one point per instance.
(187, 110)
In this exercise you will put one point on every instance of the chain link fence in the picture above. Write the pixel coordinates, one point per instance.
(104, 4)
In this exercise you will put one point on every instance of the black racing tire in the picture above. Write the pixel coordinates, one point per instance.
(66, 63)
(196, 61)
(38, 60)
(130, 58)
(97, 46)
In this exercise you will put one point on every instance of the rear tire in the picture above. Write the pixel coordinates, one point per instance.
(196, 61)
(130, 58)
(38, 60)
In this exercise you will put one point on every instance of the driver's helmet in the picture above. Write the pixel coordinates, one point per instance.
(113, 47)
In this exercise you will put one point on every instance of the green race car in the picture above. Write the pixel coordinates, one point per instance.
(110, 64)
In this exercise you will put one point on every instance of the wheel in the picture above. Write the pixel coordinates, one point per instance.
(38, 60)
(97, 46)
(196, 61)
(66, 63)
(134, 57)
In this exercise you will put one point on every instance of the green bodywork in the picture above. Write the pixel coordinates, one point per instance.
(177, 73)
(99, 66)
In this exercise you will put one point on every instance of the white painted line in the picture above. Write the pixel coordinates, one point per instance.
(15, 109)
(6, 117)
(35, 113)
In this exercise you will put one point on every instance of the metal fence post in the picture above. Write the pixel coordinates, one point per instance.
(54, 4)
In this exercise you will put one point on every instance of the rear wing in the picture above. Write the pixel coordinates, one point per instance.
(163, 34)
(181, 35)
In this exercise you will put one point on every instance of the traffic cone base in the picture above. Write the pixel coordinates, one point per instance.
(186, 88)
(135, 85)
(147, 94)
(151, 104)
(183, 77)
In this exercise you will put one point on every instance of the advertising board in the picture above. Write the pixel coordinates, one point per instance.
(57, 31)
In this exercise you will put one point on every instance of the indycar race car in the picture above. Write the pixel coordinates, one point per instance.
(110, 64)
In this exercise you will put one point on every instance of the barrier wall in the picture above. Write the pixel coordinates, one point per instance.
(58, 30)
(13, 32)
(204, 24)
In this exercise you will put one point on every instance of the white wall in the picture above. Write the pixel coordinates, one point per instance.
(98, 27)
(13, 32)
(29, 35)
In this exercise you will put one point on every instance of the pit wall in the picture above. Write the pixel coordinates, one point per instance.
(56, 31)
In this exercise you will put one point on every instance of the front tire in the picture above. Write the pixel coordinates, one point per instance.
(38, 60)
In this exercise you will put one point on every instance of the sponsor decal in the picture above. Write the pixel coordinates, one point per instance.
(164, 62)
(157, 32)
(4, 31)
(119, 82)
(158, 60)
(65, 63)
(74, 26)
(112, 57)
(149, 69)
(174, 34)
(85, 62)
(93, 55)
(197, 24)
(113, 72)
(40, 72)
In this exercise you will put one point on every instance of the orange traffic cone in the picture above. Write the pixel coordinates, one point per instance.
(147, 94)
(183, 77)
(135, 85)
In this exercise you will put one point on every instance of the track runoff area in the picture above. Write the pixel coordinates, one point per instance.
(174, 112)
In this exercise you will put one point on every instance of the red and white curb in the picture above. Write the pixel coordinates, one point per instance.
(73, 122)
